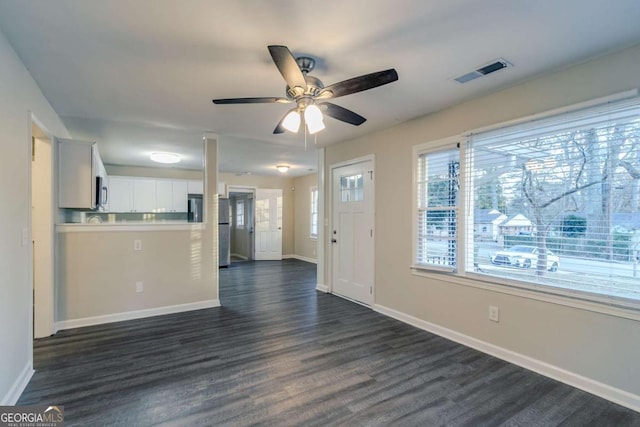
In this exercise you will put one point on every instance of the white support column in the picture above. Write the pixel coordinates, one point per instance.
(322, 232)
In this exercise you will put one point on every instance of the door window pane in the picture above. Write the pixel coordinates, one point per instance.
(351, 188)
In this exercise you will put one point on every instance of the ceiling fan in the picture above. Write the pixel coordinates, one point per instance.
(305, 90)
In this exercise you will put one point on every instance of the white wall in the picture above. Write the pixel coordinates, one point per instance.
(98, 272)
(596, 351)
(19, 95)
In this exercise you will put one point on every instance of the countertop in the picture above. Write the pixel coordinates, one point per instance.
(129, 226)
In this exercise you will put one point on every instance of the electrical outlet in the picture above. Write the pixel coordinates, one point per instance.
(139, 287)
(494, 314)
(137, 245)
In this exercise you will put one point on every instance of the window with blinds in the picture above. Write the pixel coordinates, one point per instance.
(551, 204)
(438, 194)
(557, 201)
(313, 232)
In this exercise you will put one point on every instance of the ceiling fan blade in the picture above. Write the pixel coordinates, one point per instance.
(252, 100)
(342, 114)
(288, 67)
(279, 128)
(358, 84)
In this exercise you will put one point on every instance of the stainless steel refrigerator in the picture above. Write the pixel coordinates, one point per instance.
(194, 208)
(224, 233)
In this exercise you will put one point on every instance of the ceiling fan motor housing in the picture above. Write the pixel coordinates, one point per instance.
(314, 86)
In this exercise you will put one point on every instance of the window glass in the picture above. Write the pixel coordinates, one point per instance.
(240, 213)
(438, 194)
(560, 201)
(314, 213)
(351, 188)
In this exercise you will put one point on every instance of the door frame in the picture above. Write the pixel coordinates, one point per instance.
(247, 189)
(33, 121)
(330, 193)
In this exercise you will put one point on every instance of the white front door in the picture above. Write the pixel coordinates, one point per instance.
(268, 224)
(352, 234)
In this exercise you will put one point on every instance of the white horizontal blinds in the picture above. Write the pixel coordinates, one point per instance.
(438, 187)
(314, 212)
(568, 187)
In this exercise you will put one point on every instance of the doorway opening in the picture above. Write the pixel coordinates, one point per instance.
(241, 222)
(42, 230)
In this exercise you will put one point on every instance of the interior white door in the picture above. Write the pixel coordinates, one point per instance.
(352, 239)
(268, 224)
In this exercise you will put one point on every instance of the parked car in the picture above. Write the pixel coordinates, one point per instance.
(524, 257)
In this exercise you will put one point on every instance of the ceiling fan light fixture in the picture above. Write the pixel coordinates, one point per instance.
(164, 157)
(282, 168)
(313, 118)
(291, 121)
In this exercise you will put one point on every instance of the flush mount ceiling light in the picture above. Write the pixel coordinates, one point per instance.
(282, 168)
(164, 157)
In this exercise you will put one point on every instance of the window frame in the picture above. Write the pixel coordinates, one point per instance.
(463, 274)
(313, 205)
(418, 150)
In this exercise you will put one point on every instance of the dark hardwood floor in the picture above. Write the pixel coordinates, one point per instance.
(279, 353)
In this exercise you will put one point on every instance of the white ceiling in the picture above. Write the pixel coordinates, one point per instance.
(137, 75)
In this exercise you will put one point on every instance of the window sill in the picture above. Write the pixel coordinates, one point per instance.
(626, 309)
(421, 269)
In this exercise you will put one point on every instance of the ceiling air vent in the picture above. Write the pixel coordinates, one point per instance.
(497, 65)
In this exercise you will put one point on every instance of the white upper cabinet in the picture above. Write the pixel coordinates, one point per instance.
(164, 195)
(180, 193)
(120, 194)
(147, 195)
(171, 195)
(144, 194)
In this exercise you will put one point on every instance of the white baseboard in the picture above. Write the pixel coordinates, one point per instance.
(137, 314)
(616, 395)
(301, 258)
(239, 256)
(12, 396)
(322, 288)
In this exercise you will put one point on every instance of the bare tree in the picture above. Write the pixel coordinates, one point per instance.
(545, 186)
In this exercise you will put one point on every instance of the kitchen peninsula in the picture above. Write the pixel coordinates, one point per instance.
(136, 254)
